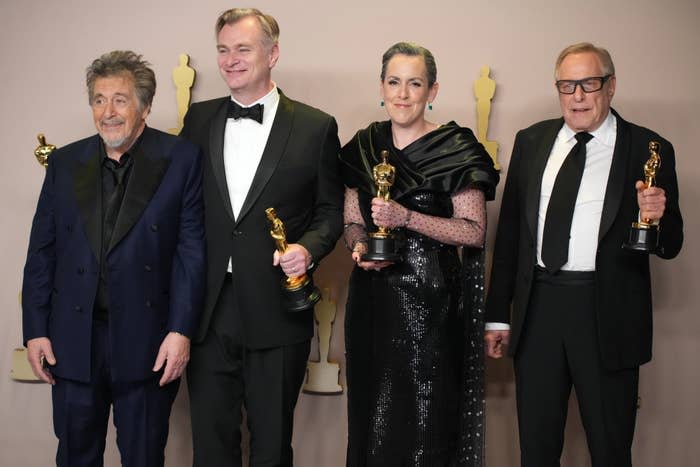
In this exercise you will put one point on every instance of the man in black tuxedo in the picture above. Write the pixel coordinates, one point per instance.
(113, 283)
(581, 304)
(261, 150)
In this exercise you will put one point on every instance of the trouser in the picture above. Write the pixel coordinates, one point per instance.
(223, 376)
(81, 414)
(559, 348)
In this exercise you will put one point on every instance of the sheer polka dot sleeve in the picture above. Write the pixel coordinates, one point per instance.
(467, 227)
(355, 233)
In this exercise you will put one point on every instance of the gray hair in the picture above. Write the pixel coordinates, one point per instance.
(586, 47)
(120, 62)
(270, 28)
(413, 50)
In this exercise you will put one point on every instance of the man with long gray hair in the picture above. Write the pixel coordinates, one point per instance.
(113, 280)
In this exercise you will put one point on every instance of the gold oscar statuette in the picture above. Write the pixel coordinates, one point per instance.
(43, 151)
(299, 292)
(381, 245)
(644, 235)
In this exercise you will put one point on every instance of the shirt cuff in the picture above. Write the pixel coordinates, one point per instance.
(497, 327)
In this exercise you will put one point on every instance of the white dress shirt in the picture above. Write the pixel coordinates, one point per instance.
(588, 209)
(583, 243)
(244, 144)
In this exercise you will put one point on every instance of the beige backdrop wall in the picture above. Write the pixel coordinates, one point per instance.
(330, 57)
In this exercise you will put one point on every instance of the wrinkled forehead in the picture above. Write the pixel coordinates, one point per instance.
(580, 65)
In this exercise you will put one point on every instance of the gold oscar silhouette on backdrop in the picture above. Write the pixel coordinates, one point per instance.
(21, 371)
(322, 376)
(183, 77)
(484, 90)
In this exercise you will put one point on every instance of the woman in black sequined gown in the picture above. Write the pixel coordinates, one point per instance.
(414, 327)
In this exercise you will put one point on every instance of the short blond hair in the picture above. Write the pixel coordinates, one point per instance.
(270, 28)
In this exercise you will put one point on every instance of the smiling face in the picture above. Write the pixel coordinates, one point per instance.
(584, 111)
(246, 59)
(405, 90)
(117, 113)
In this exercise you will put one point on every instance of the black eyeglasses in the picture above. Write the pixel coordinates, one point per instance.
(592, 84)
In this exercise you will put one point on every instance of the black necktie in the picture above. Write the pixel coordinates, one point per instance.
(254, 112)
(114, 201)
(557, 224)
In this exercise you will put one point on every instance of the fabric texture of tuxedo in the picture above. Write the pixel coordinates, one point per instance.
(244, 313)
(622, 278)
(298, 176)
(593, 333)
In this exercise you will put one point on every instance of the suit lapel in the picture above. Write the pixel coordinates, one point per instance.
(536, 168)
(274, 149)
(87, 188)
(616, 180)
(147, 172)
(216, 153)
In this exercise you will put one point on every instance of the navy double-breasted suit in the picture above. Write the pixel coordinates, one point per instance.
(155, 262)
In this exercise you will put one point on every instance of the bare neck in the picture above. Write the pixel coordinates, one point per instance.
(403, 136)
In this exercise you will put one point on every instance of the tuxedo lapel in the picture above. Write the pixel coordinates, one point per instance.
(274, 149)
(147, 172)
(535, 168)
(216, 153)
(617, 178)
(87, 188)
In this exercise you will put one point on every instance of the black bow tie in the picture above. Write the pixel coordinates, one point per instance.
(254, 112)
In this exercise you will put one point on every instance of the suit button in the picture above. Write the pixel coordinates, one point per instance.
(147, 268)
(148, 304)
(154, 227)
(81, 270)
(237, 233)
(79, 308)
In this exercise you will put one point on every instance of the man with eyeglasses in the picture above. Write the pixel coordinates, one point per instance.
(572, 306)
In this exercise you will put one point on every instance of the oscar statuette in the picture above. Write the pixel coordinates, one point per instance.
(644, 235)
(299, 292)
(43, 151)
(381, 245)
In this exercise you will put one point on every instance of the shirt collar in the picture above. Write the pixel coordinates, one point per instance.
(605, 133)
(126, 157)
(268, 100)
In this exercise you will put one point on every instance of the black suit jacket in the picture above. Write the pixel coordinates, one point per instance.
(298, 175)
(623, 285)
(155, 261)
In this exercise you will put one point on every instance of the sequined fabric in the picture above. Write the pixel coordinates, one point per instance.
(414, 399)
(414, 330)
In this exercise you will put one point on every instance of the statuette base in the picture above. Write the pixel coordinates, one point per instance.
(381, 248)
(643, 237)
(300, 297)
